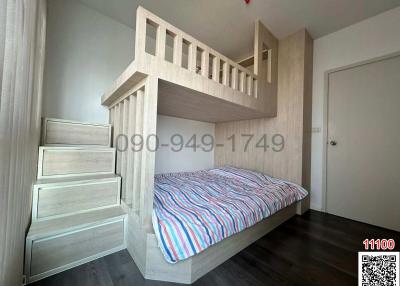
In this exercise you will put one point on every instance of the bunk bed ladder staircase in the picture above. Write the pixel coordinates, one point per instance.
(76, 211)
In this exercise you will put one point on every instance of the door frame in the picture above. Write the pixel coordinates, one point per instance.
(325, 118)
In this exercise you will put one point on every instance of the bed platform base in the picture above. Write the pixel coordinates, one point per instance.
(142, 246)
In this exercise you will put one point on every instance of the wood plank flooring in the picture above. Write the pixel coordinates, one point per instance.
(313, 249)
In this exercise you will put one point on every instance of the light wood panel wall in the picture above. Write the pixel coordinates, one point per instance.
(293, 120)
(21, 77)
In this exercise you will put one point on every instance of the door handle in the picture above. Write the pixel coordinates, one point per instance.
(333, 143)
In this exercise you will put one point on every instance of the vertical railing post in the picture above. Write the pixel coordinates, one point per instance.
(177, 53)
(140, 34)
(234, 78)
(242, 82)
(249, 85)
(137, 155)
(269, 68)
(225, 74)
(117, 132)
(125, 126)
(258, 50)
(160, 42)
(205, 58)
(148, 152)
(192, 57)
(130, 154)
(215, 68)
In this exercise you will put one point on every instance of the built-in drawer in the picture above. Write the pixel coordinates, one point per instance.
(63, 198)
(53, 254)
(75, 161)
(64, 132)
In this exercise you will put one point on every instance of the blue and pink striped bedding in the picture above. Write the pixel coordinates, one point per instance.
(194, 210)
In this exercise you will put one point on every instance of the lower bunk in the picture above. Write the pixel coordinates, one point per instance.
(224, 210)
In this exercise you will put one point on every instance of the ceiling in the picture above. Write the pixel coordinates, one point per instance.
(228, 25)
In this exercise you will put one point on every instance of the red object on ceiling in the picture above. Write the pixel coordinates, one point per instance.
(247, 1)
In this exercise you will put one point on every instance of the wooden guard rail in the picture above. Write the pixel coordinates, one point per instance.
(134, 116)
(190, 54)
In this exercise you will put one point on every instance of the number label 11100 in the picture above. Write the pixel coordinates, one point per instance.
(379, 244)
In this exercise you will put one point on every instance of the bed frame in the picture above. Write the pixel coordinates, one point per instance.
(143, 247)
(174, 74)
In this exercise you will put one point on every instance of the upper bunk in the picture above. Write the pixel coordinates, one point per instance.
(195, 81)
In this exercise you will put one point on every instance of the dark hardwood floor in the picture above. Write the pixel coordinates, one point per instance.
(313, 249)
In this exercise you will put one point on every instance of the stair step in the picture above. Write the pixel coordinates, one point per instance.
(42, 229)
(58, 132)
(55, 245)
(58, 162)
(57, 199)
(53, 180)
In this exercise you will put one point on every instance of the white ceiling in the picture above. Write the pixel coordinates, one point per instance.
(228, 25)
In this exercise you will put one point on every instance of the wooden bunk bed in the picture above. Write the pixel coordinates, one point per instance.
(182, 77)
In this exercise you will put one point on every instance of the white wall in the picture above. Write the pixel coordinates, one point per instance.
(375, 37)
(187, 159)
(85, 52)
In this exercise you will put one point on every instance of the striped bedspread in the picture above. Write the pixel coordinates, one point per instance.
(194, 210)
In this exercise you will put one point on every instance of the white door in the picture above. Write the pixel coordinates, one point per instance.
(363, 153)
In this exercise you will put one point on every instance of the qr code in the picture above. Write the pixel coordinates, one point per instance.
(378, 268)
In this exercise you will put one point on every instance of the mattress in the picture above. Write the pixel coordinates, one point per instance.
(194, 210)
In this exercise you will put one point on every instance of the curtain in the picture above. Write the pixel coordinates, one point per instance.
(22, 41)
